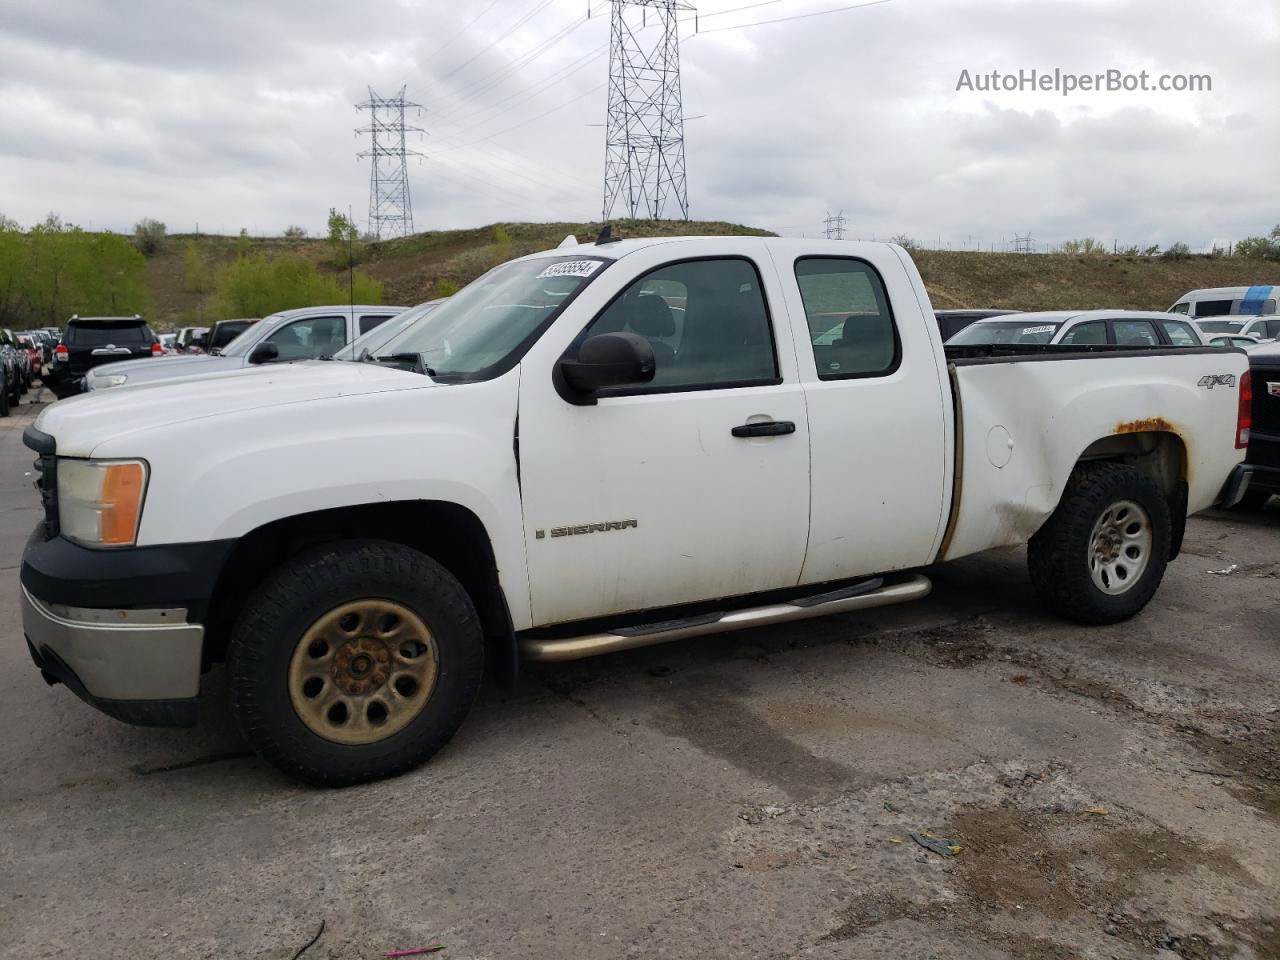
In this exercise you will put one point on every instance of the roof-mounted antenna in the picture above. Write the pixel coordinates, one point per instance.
(606, 236)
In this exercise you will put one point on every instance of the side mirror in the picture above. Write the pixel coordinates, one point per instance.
(608, 360)
(264, 353)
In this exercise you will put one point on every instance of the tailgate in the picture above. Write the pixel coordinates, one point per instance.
(1264, 440)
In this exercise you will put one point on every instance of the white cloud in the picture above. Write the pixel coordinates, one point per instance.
(238, 113)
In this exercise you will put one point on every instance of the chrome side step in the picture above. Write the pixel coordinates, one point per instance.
(862, 596)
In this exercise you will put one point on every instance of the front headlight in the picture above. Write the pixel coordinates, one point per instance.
(100, 501)
(116, 380)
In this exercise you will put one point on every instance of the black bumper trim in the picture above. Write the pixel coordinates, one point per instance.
(55, 570)
(140, 713)
(1263, 478)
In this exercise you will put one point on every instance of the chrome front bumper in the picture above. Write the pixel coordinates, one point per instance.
(116, 655)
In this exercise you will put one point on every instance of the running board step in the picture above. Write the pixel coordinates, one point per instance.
(861, 596)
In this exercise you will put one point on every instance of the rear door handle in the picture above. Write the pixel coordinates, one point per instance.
(766, 428)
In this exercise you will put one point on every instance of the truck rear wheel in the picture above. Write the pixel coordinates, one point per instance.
(354, 662)
(1101, 555)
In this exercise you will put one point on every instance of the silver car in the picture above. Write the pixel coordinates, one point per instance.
(302, 334)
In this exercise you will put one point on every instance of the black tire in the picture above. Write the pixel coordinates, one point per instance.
(1253, 500)
(1059, 554)
(4, 396)
(296, 596)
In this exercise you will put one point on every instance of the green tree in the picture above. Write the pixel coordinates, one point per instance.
(344, 240)
(242, 243)
(1177, 251)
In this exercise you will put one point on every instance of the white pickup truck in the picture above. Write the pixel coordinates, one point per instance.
(585, 450)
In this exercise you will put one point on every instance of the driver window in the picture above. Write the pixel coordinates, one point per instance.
(706, 321)
(310, 338)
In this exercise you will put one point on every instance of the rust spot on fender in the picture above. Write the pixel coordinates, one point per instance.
(1146, 425)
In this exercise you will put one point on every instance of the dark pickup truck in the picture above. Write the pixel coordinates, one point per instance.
(1263, 459)
(90, 341)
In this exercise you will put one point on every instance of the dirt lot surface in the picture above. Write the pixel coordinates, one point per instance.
(1112, 792)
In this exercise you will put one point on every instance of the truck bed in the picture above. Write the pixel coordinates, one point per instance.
(1026, 414)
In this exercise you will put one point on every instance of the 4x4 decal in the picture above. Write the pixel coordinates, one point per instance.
(1217, 380)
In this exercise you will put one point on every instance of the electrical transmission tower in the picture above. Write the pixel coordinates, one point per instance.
(834, 226)
(644, 131)
(390, 208)
(1023, 244)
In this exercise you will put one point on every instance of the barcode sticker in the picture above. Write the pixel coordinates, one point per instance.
(570, 268)
(1045, 329)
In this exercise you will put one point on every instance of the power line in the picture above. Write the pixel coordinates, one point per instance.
(798, 16)
(493, 43)
(523, 60)
(470, 23)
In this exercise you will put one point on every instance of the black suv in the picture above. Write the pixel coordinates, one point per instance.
(90, 341)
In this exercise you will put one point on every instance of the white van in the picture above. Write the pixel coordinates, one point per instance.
(1255, 301)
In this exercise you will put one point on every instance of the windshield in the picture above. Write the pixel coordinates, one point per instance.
(484, 328)
(1220, 326)
(1005, 331)
(374, 340)
(243, 343)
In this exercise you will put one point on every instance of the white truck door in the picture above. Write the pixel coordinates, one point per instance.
(652, 496)
(878, 411)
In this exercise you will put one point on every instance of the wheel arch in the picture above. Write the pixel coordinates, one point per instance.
(1160, 454)
(451, 534)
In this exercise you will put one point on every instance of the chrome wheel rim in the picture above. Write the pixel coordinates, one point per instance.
(1120, 547)
(363, 671)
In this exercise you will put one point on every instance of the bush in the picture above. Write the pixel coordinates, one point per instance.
(256, 285)
(1259, 248)
(195, 272)
(149, 235)
(295, 233)
(1177, 251)
(446, 288)
(906, 242)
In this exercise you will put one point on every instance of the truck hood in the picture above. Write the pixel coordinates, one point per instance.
(173, 362)
(80, 424)
(164, 368)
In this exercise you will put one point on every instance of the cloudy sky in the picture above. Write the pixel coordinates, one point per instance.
(240, 113)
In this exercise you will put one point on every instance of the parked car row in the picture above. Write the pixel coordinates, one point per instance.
(589, 449)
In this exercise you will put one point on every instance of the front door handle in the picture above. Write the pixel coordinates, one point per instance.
(765, 428)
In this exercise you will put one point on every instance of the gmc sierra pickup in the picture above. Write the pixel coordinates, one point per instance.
(589, 449)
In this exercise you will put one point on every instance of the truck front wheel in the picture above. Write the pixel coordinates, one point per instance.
(1101, 555)
(356, 661)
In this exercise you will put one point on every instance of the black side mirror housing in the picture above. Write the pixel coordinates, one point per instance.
(607, 360)
(264, 353)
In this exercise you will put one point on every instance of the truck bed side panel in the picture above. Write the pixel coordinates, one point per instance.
(1024, 424)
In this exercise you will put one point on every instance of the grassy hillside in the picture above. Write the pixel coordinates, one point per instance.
(429, 264)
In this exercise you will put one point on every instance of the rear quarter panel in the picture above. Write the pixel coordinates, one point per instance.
(1042, 414)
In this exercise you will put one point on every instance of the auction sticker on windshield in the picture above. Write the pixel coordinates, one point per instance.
(571, 268)
(1045, 329)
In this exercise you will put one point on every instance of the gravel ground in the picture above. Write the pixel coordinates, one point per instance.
(1113, 792)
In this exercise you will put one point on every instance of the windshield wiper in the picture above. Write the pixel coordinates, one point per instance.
(417, 359)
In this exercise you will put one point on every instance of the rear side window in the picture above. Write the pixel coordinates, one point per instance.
(706, 321)
(1213, 308)
(1272, 328)
(102, 334)
(851, 327)
(309, 338)
(1135, 333)
(1180, 334)
(1095, 331)
(370, 321)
